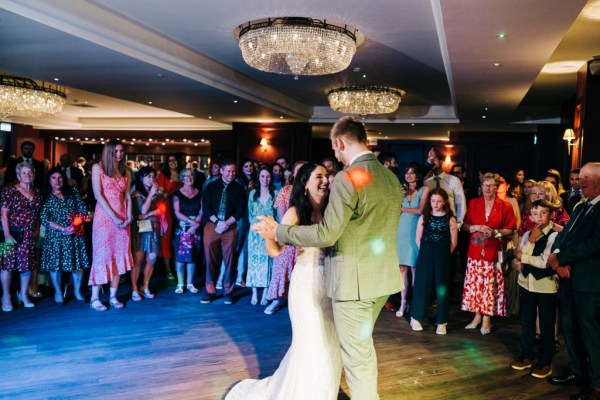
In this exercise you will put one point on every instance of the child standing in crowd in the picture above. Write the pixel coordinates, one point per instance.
(539, 285)
(437, 235)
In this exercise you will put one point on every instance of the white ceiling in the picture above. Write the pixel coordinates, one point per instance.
(181, 55)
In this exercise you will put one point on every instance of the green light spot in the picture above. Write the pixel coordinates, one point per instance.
(377, 246)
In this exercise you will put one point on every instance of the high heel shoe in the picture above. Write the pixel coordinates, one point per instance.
(485, 331)
(402, 309)
(415, 325)
(192, 288)
(29, 304)
(7, 305)
(473, 325)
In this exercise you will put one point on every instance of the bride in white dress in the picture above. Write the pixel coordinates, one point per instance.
(311, 369)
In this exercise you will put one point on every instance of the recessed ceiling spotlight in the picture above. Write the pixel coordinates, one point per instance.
(56, 79)
(150, 139)
(163, 143)
(497, 64)
(356, 69)
(185, 140)
(133, 140)
(101, 138)
(166, 140)
(147, 144)
(235, 101)
(483, 116)
(209, 117)
(364, 76)
(70, 137)
(412, 124)
(85, 102)
(386, 137)
(202, 140)
(55, 137)
(62, 139)
(380, 133)
(160, 75)
(78, 139)
(195, 144)
(149, 102)
(501, 35)
(281, 117)
(86, 139)
(486, 109)
(92, 140)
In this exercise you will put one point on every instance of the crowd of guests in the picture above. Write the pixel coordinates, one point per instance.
(511, 235)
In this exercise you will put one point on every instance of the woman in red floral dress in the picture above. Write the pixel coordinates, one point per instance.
(488, 220)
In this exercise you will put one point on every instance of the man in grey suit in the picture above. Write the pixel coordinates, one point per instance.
(358, 235)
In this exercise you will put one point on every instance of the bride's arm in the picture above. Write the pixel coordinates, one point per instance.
(289, 218)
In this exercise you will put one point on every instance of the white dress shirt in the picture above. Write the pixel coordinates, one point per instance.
(453, 186)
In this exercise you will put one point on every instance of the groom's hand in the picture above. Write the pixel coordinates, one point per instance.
(266, 227)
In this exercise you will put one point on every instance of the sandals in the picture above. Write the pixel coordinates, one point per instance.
(148, 294)
(97, 305)
(179, 289)
(192, 288)
(272, 308)
(115, 303)
(135, 296)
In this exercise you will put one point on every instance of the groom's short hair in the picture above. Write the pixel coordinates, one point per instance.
(349, 127)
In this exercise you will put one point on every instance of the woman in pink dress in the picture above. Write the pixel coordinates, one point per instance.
(111, 256)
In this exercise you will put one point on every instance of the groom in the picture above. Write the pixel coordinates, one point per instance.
(358, 234)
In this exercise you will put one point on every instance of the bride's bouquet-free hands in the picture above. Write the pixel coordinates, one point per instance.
(265, 227)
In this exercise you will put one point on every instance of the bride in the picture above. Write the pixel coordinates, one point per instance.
(311, 369)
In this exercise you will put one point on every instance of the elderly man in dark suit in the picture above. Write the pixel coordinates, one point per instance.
(27, 149)
(576, 259)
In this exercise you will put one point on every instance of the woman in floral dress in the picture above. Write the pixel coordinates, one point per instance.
(111, 244)
(260, 202)
(64, 248)
(488, 220)
(20, 207)
(283, 264)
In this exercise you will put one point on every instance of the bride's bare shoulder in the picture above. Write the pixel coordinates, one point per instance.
(290, 217)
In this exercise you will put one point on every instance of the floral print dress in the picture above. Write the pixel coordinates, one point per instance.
(23, 215)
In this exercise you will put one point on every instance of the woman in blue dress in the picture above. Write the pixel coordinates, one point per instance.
(415, 198)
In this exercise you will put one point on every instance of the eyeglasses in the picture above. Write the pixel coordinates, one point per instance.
(172, 160)
(488, 186)
(188, 176)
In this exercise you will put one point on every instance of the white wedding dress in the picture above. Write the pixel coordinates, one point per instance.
(311, 369)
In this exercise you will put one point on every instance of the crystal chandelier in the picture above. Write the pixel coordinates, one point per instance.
(298, 45)
(365, 100)
(22, 97)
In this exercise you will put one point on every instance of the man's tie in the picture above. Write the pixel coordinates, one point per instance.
(583, 209)
(223, 204)
(437, 180)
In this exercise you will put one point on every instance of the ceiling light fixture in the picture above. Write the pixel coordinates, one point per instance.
(365, 100)
(22, 97)
(298, 45)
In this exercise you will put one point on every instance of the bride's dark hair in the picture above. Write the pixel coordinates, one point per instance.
(299, 196)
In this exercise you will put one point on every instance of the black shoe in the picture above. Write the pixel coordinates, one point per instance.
(228, 299)
(208, 298)
(564, 380)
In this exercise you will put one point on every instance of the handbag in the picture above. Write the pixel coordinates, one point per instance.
(145, 225)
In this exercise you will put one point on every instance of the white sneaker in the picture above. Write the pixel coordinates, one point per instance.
(415, 325)
(441, 329)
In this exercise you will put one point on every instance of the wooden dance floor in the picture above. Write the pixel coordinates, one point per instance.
(173, 347)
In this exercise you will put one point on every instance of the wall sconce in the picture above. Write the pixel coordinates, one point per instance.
(264, 143)
(448, 160)
(569, 136)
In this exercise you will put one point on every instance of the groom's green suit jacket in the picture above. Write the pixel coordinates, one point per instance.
(358, 232)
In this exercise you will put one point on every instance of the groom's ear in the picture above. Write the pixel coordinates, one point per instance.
(341, 145)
